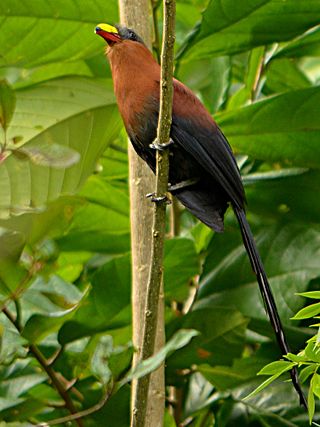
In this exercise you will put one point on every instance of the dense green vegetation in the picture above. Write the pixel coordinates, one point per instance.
(64, 215)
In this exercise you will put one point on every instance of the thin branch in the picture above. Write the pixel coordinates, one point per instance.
(80, 414)
(159, 219)
(47, 368)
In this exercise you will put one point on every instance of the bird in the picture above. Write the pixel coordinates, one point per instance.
(203, 172)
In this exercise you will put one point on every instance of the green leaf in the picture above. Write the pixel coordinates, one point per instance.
(50, 154)
(107, 305)
(311, 401)
(106, 214)
(219, 328)
(7, 104)
(307, 312)
(18, 378)
(228, 27)
(277, 367)
(99, 359)
(255, 65)
(40, 223)
(313, 351)
(226, 377)
(263, 386)
(52, 71)
(67, 111)
(209, 77)
(297, 358)
(276, 129)
(61, 31)
(274, 195)
(306, 45)
(178, 270)
(311, 294)
(307, 371)
(179, 340)
(316, 385)
(228, 279)
(283, 75)
(11, 245)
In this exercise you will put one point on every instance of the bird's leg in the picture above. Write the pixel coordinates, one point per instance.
(161, 147)
(155, 199)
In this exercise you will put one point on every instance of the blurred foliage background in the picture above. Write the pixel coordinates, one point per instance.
(64, 213)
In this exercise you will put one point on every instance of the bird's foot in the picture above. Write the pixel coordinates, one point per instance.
(161, 147)
(159, 199)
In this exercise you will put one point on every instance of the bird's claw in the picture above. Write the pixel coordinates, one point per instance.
(158, 199)
(160, 147)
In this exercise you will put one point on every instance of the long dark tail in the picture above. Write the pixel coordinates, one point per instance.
(266, 293)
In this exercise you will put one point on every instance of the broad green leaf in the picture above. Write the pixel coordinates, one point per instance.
(283, 75)
(107, 305)
(228, 27)
(11, 245)
(9, 402)
(39, 327)
(47, 222)
(311, 310)
(219, 328)
(229, 280)
(47, 304)
(116, 409)
(50, 71)
(12, 345)
(59, 294)
(108, 361)
(50, 154)
(71, 117)
(306, 45)
(105, 212)
(180, 265)
(50, 32)
(229, 377)
(19, 378)
(210, 78)
(284, 128)
(7, 104)
(42, 106)
(114, 163)
(284, 195)
(179, 340)
(199, 394)
(99, 361)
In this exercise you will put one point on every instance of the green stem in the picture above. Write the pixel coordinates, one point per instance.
(159, 219)
(156, 41)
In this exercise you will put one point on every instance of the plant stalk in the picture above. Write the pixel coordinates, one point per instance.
(159, 217)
